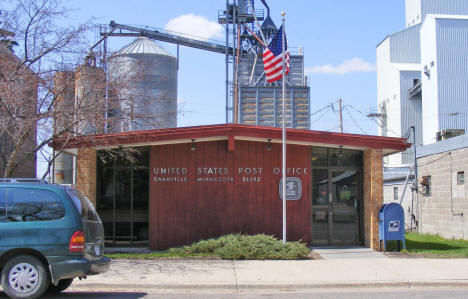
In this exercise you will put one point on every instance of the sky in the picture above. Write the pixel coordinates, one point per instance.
(339, 39)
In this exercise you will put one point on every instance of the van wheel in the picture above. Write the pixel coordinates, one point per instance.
(62, 286)
(25, 276)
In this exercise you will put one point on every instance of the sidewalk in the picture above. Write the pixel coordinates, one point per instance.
(199, 275)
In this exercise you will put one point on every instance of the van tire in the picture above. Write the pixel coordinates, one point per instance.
(24, 276)
(62, 286)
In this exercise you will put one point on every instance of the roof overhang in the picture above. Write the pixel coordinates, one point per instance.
(389, 145)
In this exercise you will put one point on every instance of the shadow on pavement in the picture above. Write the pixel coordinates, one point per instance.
(94, 295)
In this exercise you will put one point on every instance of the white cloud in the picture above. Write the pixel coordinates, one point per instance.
(197, 27)
(353, 65)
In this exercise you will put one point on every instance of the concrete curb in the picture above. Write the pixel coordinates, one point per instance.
(272, 286)
(155, 287)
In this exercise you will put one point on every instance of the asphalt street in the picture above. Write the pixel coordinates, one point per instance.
(329, 294)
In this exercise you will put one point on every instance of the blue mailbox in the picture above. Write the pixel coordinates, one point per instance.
(391, 224)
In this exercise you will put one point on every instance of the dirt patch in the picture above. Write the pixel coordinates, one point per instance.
(168, 258)
(314, 256)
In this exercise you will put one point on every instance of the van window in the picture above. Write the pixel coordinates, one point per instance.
(2, 204)
(24, 205)
(83, 205)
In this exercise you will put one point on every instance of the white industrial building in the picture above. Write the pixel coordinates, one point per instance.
(422, 75)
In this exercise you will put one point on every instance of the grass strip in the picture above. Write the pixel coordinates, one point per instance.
(433, 246)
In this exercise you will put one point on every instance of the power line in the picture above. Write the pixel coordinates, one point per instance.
(331, 129)
(355, 122)
(435, 160)
(379, 124)
(320, 117)
(321, 109)
(407, 133)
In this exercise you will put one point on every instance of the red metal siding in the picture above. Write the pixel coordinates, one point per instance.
(182, 212)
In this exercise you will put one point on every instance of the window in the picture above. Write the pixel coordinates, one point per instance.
(395, 193)
(33, 205)
(319, 156)
(336, 157)
(461, 178)
(426, 182)
(83, 205)
(345, 158)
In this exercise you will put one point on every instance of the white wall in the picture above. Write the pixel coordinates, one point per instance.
(388, 92)
(388, 89)
(413, 12)
(430, 107)
(383, 76)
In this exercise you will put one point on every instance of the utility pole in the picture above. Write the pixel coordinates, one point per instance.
(227, 61)
(341, 117)
(415, 181)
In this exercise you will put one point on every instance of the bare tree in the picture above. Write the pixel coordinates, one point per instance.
(48, 94)
(32, 105)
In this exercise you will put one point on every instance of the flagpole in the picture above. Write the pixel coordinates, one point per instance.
(284, 130)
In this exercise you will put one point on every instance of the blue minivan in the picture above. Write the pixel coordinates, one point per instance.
(49, 234)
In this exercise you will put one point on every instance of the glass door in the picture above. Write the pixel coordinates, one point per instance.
(320, 207)
(122, 224)
(335, 207)
(344, 207)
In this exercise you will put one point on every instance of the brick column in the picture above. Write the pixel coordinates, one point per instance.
(373, 196)
(86, 173)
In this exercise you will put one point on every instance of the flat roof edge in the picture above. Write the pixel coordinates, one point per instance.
(186, 134)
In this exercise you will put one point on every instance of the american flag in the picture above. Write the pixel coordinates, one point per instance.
(273, 57)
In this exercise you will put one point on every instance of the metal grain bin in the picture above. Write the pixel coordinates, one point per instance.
(64, 91)
(142, 87)
(90, 98)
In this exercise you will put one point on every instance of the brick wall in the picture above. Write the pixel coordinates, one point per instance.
(444, 211)
(86, 173)
(373, 196)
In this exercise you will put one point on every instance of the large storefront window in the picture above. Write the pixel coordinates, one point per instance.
(123, 195)
(336, 196)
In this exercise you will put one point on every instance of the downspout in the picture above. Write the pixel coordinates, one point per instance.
(253, 70)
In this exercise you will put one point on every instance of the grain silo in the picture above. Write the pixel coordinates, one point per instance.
(90, 98)
(64, 91)
(142, 87)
